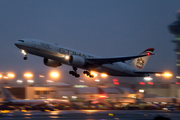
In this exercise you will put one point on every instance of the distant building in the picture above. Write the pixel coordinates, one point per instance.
(175, 29)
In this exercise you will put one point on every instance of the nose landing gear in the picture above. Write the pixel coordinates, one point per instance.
(74, 73)
(25, 54)
(25, 58)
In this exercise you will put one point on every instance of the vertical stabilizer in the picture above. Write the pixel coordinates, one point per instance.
(140, 62)
(7, 95)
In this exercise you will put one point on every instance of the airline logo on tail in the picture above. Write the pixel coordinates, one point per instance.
(140, 63)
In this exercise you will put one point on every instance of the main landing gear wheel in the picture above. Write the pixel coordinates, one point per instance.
(74, 73)
(88, 74)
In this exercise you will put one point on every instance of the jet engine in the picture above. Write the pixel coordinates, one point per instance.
(51, 63)
(77, 61)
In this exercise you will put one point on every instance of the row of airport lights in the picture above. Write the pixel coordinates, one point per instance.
(10, 75)
(28, 75)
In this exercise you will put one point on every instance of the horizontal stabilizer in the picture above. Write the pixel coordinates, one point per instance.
(144, 72)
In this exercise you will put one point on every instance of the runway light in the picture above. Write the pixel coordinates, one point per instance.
(116, 83)
(97, 80)
(81, 80)
(148, 78)
(74, 97)
(41, 76)
(141, 90)
(178, 83)
(49, 81)
(64, 97)
(115, 80)
(102, 96)
(30, 81)
(5, 77)
(150, 83)
(19, 81)
(141, 83)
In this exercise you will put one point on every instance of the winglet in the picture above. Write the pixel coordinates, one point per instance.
(148, 51)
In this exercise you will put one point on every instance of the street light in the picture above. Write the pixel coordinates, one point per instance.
(28, 75)
(54, 74)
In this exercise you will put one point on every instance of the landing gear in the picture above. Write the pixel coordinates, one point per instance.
(74, 73)
(88, 74)
(25, 54)
(25, 58)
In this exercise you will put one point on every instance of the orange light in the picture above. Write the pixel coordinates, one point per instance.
(0, 76)
(157, 74)
(167, 74)
(11, 75)
(5, 77)
(102, 96)
(54, 74)
(93, 73)
(103, 75)
(28, 75)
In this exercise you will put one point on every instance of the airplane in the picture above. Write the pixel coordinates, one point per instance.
(55, 55)
(11, 100)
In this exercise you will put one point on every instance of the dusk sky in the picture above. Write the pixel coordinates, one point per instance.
(105, 28)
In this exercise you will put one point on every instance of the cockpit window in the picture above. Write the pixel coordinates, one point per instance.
(21, 40)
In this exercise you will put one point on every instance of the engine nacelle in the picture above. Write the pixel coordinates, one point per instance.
(76, 61)
(51, 63)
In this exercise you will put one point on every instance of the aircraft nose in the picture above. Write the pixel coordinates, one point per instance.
(16, 43)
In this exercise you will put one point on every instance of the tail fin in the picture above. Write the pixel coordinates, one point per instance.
(140, 62)
(7, 95)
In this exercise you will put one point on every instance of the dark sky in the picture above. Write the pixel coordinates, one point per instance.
(102, 27)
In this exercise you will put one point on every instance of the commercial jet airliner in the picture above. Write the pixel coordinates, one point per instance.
(10, 100)
(55, 55)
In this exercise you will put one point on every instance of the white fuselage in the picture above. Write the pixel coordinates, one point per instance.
(58, 53)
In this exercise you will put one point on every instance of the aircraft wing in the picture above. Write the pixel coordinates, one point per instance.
(112, 60)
